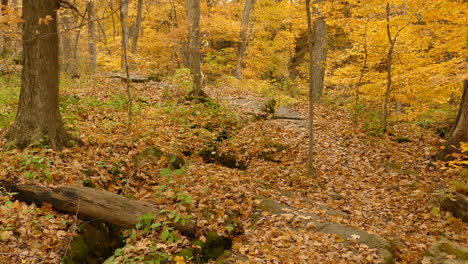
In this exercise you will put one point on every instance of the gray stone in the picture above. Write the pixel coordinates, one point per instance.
(445, 252)
(383, 246)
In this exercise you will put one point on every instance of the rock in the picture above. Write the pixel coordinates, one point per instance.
(335, 196)
(284, 112)
(444, 252)
(457, 204)
(149, 154)
(383, 246)
(153, 154)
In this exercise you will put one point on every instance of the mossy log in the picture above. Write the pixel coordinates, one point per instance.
(93, 203)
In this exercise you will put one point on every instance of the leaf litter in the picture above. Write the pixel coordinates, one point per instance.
(385, 187)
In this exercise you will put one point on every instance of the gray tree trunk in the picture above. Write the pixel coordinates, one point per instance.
(310, 163)
(4, 40)
(92, 37)
(136, 29)
(320, 53)
(195, 56)
(66, 50)
(243, 37)
(124, 21)
(38, 119)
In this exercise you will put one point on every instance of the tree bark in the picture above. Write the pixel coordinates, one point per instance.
(195, 56)
(92, 37)
(136, 30)
(66, 52)
(320, 53)
(38, 119)
(243, 37)
(459, 132)
(391, 42)
(4, 39)
(93, 203)
(124, 21)
(310, 163)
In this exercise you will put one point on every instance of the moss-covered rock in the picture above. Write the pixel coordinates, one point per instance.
(445, 252)
(149, 154)
(383, 246)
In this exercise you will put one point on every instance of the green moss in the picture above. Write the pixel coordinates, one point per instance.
(148, 154)
(451, 249)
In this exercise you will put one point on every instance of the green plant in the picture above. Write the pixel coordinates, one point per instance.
(373, 124)
(113, 169)
(7, 196)
(183, 198)
(34, 167)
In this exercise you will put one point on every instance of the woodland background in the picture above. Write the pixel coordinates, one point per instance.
(392, 86)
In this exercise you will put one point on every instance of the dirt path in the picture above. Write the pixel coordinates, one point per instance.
(382, 186)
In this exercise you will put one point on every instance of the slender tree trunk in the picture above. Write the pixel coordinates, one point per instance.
(459, 132)
(136, 30)
(92, 37)
(65, 41)
(75, 63)
(17, 46)
(38, 119)
(320, 53)
(310, 162)
(243, 37)
(114, 30)
(124, 23)
(185, 50)
(389, 71)
(4, 40)
(364, 66)
(195, 56)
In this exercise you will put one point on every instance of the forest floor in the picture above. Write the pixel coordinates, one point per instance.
(380, 186)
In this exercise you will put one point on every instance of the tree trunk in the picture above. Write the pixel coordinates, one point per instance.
(38, 119)
(243, 37)
(136, 30)
(92, 37)
(93, 203)
(389, 71)
(320, 54)
(4, 40)
(124, 21)
(195, 56)
(65, 43)
(310, 164)
(459, 132)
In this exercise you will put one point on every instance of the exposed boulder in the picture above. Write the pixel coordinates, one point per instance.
(383, 246)
(444, 252)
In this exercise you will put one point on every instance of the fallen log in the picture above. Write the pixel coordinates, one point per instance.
(133, 78)
(94, 203)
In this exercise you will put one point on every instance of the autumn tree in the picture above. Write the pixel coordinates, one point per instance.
(459, 132)
(310, 164)
(38, 118)
(195, 55)
(125, 33)
(319, 52)
(92, 36)
(243, 36)
(136, 29)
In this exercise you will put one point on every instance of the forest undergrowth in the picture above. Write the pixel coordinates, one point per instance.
(381, 184)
